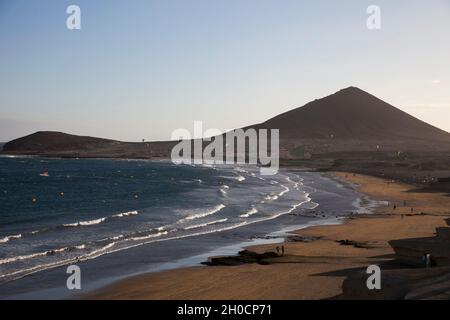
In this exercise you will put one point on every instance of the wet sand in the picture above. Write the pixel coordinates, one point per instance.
(308, 270)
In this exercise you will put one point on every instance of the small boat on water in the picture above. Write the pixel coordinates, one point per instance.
(45, 174)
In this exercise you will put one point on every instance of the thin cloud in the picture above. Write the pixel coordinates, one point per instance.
(443, 105)
(435, 81)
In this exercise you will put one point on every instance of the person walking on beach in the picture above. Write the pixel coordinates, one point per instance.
(278, 250)
(282, 250)
(428, 260)
(424, 260)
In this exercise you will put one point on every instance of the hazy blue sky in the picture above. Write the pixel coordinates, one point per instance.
(140, 69)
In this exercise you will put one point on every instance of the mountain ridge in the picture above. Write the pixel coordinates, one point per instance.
(348, 120)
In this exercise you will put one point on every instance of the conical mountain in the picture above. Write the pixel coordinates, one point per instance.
(352, 113)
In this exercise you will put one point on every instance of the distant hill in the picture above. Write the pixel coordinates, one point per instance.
(350, 120)
(49, 143)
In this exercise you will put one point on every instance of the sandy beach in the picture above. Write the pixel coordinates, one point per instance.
(308, 270)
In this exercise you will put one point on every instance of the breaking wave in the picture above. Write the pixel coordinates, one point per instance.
(85, 223)
(203, 214)
(224, 189)
(8, 238)
(249, 213)
(41, 254)
(202, 225)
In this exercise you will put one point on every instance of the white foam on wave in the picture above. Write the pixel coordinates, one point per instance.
(120, 236)
(9, 238)
(40, 254)
(100, 220)
(240, 170)
(150, 236)
(240, 178)
(202, 225)
(126, 214)
(249, 213)
(295, 183)
(109, 245)
(271, 197)
(85, 223)
(286, 190)
(224, 189)
(365, 205)
(293, 207)
(203, 214)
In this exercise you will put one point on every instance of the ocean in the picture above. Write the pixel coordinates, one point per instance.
(116, 218)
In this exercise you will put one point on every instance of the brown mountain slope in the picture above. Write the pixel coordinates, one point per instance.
(48, 143)
(54, 141)
(352, 113)
(352, 120)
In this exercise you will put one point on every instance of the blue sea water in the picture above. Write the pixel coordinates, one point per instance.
(132, 215)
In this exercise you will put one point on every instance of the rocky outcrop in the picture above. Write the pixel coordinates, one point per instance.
(243, 257)
(411, 251)
(400, 284)
(406, 277)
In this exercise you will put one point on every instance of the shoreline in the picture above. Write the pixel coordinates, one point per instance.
(274, 238)
(45, 284)
(320, 266)
(279, 236)
(200, 261)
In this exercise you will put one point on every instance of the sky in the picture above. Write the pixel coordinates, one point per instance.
(141, 69)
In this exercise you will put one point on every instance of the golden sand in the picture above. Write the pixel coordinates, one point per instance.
(313, 270)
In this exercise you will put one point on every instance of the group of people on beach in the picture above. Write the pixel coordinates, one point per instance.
(427, 261)
(394, 207)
